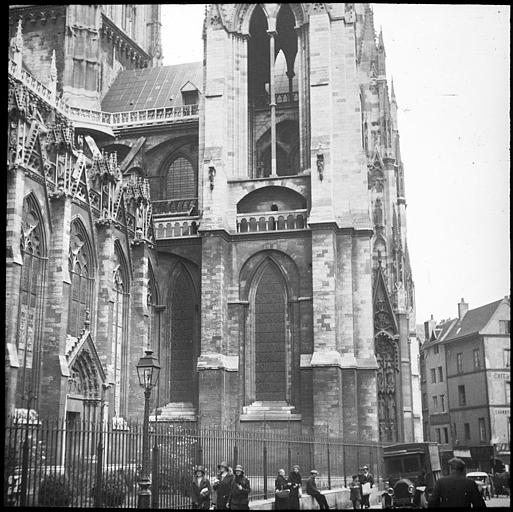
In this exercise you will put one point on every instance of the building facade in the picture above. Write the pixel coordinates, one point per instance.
(466, 388)
(245, 217)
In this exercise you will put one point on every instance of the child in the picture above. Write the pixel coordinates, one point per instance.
(356, 497)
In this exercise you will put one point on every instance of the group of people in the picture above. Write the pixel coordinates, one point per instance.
(360, 488)
(289, 490)
(231, 486)
(232, 489)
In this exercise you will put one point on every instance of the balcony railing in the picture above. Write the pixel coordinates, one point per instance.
(175, 206)
(176, 228)
(271, 221)
(113, 119)
(36, 86)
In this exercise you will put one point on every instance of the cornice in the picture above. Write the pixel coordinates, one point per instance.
(35, 13)
(122, 41)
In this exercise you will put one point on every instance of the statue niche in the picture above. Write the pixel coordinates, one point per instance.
(386, 377)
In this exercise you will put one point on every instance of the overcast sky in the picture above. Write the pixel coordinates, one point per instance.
(450, 65)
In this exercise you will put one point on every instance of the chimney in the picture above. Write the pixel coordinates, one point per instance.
(462, 308)
(429, 327)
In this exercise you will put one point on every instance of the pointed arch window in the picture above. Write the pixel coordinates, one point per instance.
(32, 282)
(180, 179)
(119, 358)
(182, 351)
(81, 272)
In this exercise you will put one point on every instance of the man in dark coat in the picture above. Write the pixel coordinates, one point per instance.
(456, 490)
(239, 498)
(295, 481)
(365, 478)
(223, 486)
(200, 490)
(311, 489)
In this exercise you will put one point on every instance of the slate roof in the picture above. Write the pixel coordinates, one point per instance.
(141, 89)
(473, 321)
(441, 331)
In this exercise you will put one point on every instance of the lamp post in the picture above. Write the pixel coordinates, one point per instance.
(148, 371)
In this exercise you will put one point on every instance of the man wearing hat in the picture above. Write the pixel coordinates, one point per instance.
(365, 478)
(456, 490)
(200, 490)
(239, 498)
(223, 486)
(311, 489)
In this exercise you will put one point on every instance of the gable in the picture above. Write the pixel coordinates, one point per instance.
(384, 318)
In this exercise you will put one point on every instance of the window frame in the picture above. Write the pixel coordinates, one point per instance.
(433, 375)
(459, 362)
(476, 357)
(462, 396)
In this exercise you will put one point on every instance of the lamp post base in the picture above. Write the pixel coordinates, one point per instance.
(144, 496)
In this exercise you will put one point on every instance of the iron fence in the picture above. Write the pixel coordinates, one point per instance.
(78, 464)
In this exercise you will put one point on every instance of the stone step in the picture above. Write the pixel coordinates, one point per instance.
(175, 411)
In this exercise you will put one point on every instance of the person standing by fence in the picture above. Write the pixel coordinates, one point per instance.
(223, 486)
(282, 491)
(356, 495)
(295, 482)
(239, 496)
(200, 490)
(366, 478)
(311, 489)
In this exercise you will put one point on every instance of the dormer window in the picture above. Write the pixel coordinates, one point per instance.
(190, 94)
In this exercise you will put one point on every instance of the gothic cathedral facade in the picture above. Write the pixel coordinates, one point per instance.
(244, 217)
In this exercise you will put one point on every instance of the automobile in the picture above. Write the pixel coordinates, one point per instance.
(483, 481)
(404, 494)
(412, 470)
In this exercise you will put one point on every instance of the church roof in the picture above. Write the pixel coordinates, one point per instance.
(141, 89)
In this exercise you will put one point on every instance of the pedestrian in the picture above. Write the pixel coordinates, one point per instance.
(201, 490)
(356, 495)
(282, 491)
(295, 482)
(239, 496)
(223, 486)
(311, 489)
(456, 490)
(366, 478)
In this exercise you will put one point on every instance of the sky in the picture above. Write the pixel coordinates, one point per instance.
(450, 67)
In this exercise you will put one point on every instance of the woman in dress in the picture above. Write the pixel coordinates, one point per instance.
(281, 484)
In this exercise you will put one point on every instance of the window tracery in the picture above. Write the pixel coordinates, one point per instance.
(81, 271)
(32, 280)
(180, 179)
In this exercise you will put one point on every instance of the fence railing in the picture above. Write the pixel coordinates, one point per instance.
(78, 464)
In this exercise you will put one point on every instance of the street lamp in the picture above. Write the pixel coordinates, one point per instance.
(148, 370)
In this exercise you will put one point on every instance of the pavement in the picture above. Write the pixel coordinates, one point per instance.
(501, 502)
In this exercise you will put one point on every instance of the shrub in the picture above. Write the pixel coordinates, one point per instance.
(55, 491)
(114, 489)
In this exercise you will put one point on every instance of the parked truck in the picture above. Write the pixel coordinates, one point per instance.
(411, 470)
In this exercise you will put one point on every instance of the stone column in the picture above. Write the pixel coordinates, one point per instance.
(53, 382)
(326, 360)
(139, 328)
(13, 264)
(272, 93)
(363, 325)
(214, 362)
